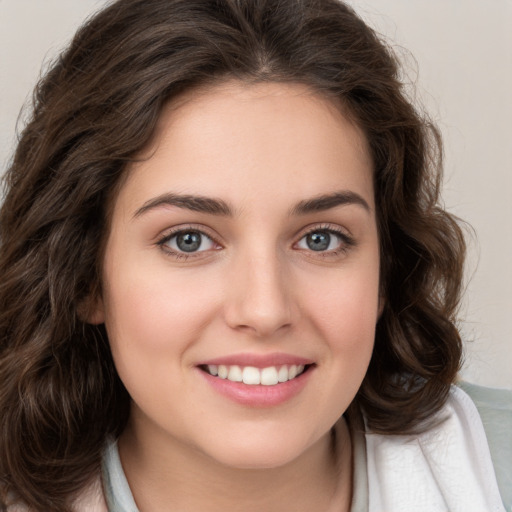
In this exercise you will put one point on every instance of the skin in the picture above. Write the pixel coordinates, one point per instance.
(256, 288)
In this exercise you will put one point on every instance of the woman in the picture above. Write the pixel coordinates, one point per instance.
(227, 280)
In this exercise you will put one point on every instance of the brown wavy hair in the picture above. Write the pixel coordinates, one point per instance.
(93, 112)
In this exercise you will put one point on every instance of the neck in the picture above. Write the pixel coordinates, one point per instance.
(174, 477)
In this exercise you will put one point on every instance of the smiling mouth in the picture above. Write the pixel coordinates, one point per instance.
(252, 376)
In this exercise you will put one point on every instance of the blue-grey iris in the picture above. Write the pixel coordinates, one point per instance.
(188, 242)
(318, 241)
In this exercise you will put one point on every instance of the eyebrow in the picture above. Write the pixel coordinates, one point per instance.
(328, 201)
(213, 206)
(189, 202)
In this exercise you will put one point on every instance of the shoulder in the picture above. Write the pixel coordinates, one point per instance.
(495, 409)
(445, 467)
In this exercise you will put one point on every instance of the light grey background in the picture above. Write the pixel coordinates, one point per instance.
(463, 51)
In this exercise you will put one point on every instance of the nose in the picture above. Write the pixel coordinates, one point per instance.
(259, 297)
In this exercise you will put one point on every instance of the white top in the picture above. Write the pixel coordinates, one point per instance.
(448, 468)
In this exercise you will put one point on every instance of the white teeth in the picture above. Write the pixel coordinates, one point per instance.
(269, 376)
(282, 375)
(223, 371)
(251, 375)
(235, 374)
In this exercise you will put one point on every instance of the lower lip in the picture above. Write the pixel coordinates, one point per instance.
(258, 395)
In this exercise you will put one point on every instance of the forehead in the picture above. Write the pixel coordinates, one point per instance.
(241, 141)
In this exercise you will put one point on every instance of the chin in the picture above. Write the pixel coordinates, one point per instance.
(261, 451)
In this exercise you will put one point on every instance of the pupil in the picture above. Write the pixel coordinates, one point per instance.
(189, 242)
(318, 241)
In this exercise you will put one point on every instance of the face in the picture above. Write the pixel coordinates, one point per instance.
(241, 274)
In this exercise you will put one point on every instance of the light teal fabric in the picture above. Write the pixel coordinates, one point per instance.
(117, 491)
(495, 409)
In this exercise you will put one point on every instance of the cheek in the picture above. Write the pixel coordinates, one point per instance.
(152, 318)
(153, 308)
(347, 305)
(343, 312)
(344, 309)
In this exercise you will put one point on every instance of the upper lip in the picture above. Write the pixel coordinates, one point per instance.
(258, 360)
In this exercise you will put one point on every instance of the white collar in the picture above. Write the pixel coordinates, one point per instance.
(448, 468)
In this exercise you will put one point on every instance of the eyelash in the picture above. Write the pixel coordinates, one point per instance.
(346, 241)
(183, 230)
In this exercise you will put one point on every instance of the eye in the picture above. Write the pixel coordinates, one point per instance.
(187, 241)
(324, 240)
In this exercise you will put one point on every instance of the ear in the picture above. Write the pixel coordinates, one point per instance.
(96, 314)
(92, 310)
